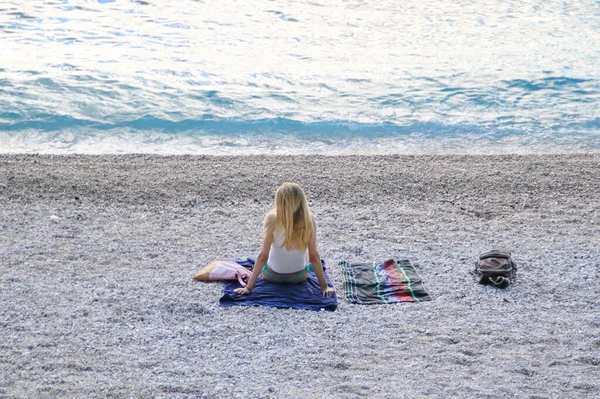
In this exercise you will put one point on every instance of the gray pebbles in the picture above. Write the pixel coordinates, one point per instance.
(97, 301)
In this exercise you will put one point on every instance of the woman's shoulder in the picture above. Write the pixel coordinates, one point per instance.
(269, 220)
(270, 216)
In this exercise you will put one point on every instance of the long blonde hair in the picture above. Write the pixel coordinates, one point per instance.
(292, 215)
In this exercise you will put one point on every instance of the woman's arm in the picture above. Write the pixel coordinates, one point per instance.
(261, 259)
(315, 261)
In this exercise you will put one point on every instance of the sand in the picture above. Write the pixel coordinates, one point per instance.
(97, 300)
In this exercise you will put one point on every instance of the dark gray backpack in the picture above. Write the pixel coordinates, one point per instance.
(495, 267)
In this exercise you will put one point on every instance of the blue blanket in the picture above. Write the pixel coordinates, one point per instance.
(306, 296)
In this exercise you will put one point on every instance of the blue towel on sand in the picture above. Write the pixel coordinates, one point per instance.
(306, 296)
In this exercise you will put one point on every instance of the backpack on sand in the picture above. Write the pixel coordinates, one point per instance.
(495, 267)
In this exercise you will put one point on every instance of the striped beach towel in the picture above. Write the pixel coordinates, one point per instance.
(384, 282)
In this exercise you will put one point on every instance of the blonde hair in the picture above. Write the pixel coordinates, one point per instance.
(292, 215)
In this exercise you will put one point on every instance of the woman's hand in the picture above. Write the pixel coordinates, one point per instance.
(329, 291)
(243, 291)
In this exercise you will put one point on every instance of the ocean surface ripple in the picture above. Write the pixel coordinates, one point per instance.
(335, 77)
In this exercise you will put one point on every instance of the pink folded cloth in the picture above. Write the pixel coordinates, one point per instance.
(224, 270)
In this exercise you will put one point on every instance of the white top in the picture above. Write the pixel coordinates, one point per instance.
(283, 261)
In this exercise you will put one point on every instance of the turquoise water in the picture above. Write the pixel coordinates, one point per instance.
(331, 77)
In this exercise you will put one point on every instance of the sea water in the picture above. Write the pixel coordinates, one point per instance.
(299, 77)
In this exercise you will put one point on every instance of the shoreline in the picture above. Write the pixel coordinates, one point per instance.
(98, 253)
(481, 150)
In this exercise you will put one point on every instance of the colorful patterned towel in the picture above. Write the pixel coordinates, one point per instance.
(306, 296)
(388, 282)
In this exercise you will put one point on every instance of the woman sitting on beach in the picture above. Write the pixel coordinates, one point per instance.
(290, 232)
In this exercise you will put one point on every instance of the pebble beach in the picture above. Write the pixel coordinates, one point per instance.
(97, 299)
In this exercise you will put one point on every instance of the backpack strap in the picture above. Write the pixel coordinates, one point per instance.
(499, 281)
